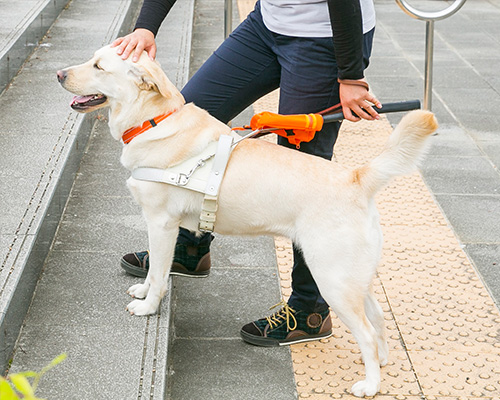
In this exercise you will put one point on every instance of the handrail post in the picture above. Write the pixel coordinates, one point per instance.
(429, 17)
(228, 17)
(429, 56)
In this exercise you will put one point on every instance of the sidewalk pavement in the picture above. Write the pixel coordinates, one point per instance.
(441, 320)
(424, 269)
(462, 170)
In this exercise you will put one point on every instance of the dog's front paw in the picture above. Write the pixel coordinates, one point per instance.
(365, 388)
(141, 307)
(138, 291)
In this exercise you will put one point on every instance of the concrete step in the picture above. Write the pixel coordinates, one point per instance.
(42, 142)
(80, 297)
(22, 25)
(79, 303)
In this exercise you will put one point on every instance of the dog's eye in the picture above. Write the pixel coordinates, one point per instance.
(97, 66)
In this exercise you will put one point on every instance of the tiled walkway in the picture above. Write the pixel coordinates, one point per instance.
(442, 324)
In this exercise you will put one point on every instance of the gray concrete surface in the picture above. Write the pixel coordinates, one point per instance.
(42, 142)
(71, 311)
(115, 356)
(462, 169)
(22, 25)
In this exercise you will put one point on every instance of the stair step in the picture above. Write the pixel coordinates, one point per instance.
(42, 142)
(22, 25)
(79, 302)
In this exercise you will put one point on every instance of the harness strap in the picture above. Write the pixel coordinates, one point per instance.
(209, 206)
(172, 178)
(183, 175)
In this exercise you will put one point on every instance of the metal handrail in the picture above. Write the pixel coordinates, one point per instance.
(228, 17)
(429, 17)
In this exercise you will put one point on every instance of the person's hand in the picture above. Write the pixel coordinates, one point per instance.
(355, 98)
(137, 41)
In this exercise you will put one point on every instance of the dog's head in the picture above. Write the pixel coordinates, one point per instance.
(107, 80)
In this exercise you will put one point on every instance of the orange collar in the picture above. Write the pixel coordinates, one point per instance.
(131, 133)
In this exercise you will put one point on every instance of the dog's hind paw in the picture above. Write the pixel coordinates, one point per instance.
(365, 388)
(138, 291)
(141, 307)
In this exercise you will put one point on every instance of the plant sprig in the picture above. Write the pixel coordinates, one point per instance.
(17, 386)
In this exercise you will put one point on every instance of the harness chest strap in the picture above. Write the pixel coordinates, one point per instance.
(197, 178)
(191, 174)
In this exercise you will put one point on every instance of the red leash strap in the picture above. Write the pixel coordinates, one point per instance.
(331, 110)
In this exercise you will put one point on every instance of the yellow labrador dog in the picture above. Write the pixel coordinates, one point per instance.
(328, 210)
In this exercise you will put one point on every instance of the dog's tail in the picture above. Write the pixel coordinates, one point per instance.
(403, 151)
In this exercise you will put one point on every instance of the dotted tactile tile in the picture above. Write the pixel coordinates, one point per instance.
(322, 370)
(443, 328)
(442, 325)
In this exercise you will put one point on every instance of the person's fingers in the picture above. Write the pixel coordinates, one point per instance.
(366, 112)
(369, 112)
(122, 46)
(116, 42)
(357, 101)
(152, 52)
(131, 46)
(348, 114)
(139, 48)
(372, 99)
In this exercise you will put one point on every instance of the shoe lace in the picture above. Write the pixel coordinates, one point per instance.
(285, 313)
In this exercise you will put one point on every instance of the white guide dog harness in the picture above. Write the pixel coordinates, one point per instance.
(202, 173)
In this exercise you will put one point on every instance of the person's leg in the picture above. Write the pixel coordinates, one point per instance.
(241, 70)
(308, 85)
(305, 89)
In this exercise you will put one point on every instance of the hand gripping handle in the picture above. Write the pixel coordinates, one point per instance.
(386, 108)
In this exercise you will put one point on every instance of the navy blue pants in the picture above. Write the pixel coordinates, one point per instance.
(252, 62)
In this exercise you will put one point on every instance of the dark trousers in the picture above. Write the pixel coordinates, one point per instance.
(253, 62)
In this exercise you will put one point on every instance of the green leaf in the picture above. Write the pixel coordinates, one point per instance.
(22, 385)
(60, 358)
(6, 391)
(28, 374)
(53, 363)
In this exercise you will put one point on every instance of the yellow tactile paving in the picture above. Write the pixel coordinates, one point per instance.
(442, 324)
(443, 327)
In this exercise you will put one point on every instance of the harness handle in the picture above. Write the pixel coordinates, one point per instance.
(386, 108)
(300, 128)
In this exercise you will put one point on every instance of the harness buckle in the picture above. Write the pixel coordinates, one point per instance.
(182, 179)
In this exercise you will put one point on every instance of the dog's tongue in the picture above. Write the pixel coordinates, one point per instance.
(80, 99)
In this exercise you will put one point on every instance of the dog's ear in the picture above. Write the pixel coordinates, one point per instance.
(151, 77)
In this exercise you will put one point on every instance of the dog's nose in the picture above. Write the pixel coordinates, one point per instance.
(61, 76)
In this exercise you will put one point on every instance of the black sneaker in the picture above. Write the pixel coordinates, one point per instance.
(288, 326)
(191, 261)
